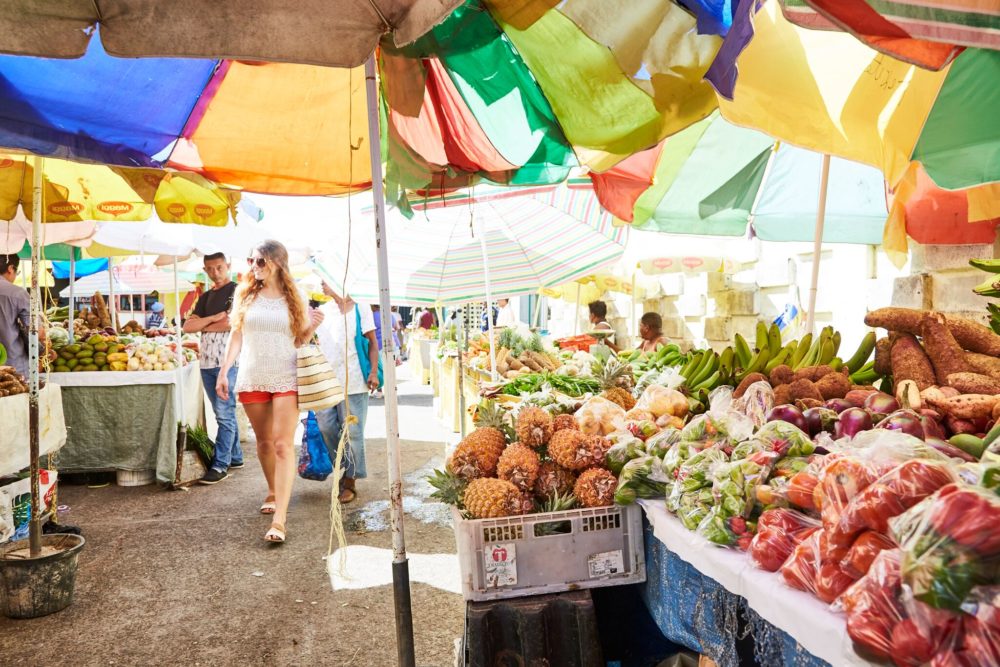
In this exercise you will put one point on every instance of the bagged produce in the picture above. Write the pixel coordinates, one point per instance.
(641, 478)
(756, 402)
(785, 439)
(660, 400)
(691, 507)
(695, 473)
(779, 531)
(624, 448)
(599, 416)
(950, 544)
(661, 443)
(718, 429)
(721, 527)
(800, 570)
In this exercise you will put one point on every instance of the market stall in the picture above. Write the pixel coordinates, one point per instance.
(14, 434)
(421, 352)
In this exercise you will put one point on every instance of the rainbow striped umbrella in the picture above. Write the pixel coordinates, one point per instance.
(535, 238)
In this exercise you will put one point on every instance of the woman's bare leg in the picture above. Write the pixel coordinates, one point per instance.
(284, 422)
(261, 418)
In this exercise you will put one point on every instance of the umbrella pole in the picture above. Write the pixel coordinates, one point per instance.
(406, 655)
(635, 324)
(112, 306)
(489, 301)
(463, 344)
(818, 243)
(72, 295)
(34, 524)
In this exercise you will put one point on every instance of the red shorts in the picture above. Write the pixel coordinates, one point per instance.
(249, 397)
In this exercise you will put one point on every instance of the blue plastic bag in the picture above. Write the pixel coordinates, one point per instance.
(362, 344)
(314, 460)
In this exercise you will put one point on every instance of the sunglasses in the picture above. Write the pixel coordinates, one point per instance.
(261, 262)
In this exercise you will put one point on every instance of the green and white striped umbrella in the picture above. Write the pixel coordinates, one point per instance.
(534, 237)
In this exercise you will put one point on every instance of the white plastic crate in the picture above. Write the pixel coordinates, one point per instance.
(135, 477)
(549, 553)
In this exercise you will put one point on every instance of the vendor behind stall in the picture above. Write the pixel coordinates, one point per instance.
(14, 308)
(651, 332)
(599, 322)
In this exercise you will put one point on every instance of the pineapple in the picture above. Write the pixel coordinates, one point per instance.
(553, 480)
(490, 498)
(598, 447)
(569, 448)
(561, 422)
(533, 427)
(519, 465)
(616, 379)
(448, 487)
(595, 487)
(478, 454)
(557, 502)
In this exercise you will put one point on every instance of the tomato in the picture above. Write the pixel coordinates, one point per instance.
(862, 553)
(800, 490)
(799, 571)
(980, 641)
(910, 647)
(872, 632)
(832, 581)
(833, 547)
(842, 480)
(968, 516)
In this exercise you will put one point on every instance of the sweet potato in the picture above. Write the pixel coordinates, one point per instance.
(944, 351)
(966, 406)
(833, 385)
(908, 361)
(972, 336)
(813, 373)
(974, 383)
(782, 374)
(803, 388)
(958, 426)
(856, 397)
(747, 381)
(983, 363)
(883, 362)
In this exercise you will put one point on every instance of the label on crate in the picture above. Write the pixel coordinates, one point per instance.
(606, 564)
(500, 565)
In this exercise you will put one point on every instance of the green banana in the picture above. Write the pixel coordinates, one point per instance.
(969, 444)
(779, 359)
(709, 382)
(726, 360)
(761, 336)
(774, 339)
(801, 350)
(826, 351)
(813, 354)
(710, 365)
(989, 288)
(757, 364)
(836, 342)
(687, 368)
(863, 353)
(836, 364)
(865, 375)
(743, 353)
(989, 265)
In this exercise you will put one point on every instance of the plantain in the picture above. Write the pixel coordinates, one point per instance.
(726, 360)
(777, 360)
(757, 364)
(863, 353)
(827, 351)
(774, 340)
(989, 288)
(988, 265)
(836, 342)
(743, 353)
(762, 343)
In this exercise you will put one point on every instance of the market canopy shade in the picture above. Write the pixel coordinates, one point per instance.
(533, 240)
(927, 33)
(307, 31)
(129, 279)
(155, 237)
(16, 234)
(827, 92)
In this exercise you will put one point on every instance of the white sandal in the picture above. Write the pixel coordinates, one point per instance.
(276, 533)
(269, 507)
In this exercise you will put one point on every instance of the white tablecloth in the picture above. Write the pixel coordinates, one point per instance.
(14, 428)
(807, 619)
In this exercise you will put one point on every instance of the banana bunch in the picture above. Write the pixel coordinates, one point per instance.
(990, 288)
(810, 350)
(666, 355)
(704, 371)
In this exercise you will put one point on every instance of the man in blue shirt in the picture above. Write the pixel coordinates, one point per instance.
(14, 308)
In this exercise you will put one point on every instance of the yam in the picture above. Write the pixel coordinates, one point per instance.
(834, 385)
(944, 351)
(983, 363)
(747, 381)
(972, 336)
(966, 406)
(857, 396)
(783, 394)
(813, 373)
(780, 375)
(803, 388)
(883, 361)
(806, 403)
(974, 383)
(910, 362)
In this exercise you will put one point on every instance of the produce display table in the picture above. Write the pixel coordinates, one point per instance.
(14, 434)
(694, 590)
(421, 352)
(448, 408)
(128, 420)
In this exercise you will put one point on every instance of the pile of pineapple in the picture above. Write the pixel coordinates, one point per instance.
(549, 465)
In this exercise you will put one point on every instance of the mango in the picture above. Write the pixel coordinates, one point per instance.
(72, 349)
(95, 339)
(85, 354)
(72, 363)
(65, 354)
(90, 368)
(105, 367)
(61, 368)
(101, 347)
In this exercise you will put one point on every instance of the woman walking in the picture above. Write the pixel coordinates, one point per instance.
(269, 321)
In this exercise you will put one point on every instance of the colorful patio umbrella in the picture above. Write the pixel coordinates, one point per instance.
(829, 93)
(923, 32)
(91, 192)
(126, 279)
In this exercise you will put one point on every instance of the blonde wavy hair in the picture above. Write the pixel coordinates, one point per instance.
(249, 287)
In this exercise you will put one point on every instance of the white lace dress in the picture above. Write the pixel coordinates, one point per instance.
(268, 356)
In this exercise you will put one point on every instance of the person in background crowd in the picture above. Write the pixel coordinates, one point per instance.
(14, 309)
(506, 317)
(377, 315)
(342, 319)
(651, 332)
(211, 318)
(398, 331)
(599, 321)
(494, 311)
(426, 319)
(155, 318)
(269, 322)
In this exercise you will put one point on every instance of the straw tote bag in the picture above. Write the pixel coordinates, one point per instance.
(319, 387)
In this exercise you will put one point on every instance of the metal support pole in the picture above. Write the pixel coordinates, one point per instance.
(463, 344)
(405, 652)
(576, 311)
(489, 299)
(34, 524)
(818, 244)
(72, 293)
(112, 306)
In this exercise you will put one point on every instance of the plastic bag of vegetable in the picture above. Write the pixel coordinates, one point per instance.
(660, 400)
(641, 478)
(779, 531)
(756, 402)
(660, 444)
(725, 529)
(691, 507)
(717, 430)
(624, 448)
(786, 439)
(950, 544)
(599, 416)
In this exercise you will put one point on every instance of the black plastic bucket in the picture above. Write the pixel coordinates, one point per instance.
(33, 587)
